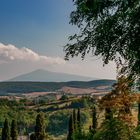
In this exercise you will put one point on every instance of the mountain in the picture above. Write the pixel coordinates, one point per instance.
(47, 76)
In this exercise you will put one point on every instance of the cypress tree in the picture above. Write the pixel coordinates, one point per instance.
(14, 132)
(108, 114)
(78, 132)
(78, 120)
(39, 128)
(70, 129)
(74, 120)
(74, 130)
(6, 131)
(94, 120)
(138, 114)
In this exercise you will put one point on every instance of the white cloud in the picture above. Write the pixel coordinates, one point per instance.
(10, 53)
(16, 61)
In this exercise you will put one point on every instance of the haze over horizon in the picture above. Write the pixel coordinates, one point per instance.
(41, 75)
(32, 35)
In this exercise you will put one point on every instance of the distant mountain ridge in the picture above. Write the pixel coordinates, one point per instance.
(48, 76)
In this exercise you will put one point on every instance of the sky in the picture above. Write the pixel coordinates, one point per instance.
(32, 36)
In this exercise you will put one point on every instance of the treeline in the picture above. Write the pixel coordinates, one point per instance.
(75, 131)
(118, 120)
(25, 116)
(7, 133)
(11, 132)
(112, 128)
(27, 87)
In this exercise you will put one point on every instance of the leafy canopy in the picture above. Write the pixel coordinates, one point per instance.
(108, 28)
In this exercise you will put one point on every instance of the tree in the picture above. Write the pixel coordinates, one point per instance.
(136, 132)
(39, 128)
(138, 114)
(14, 132)
(74, 130)
(93, 127)
(70, 129)
(119, 101)
(109, 28)
(79, 135)
(6, 131)
(113, 129)
(108, 113)
(78, 120)
(94, 120)
(118, 123)
(64, 97)
(74, 120)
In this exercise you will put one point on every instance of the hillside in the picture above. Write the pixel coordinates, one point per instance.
(26, 87)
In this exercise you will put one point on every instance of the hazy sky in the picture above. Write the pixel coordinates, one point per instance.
(32, 33)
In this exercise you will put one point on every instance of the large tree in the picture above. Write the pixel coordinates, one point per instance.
(79, 120)
(94, 120)
(6, 131)
(14, 130)
(39, 133)
(108, 28)
(70, 129)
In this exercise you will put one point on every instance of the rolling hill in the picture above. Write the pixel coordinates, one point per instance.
(27, 87)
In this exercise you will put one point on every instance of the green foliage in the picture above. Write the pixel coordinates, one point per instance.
(138, 114)
(113, 129)
(81, 103)
(24, 117)
(14, 131)
(94, 120)
(79, 121)
(60, 120)
(64, 97)
(39, 133)
(108, 113)
(136, 133)
(74, 120)
(109, 28)
(75, 129)
(40, 127)
(6, 131)
(79, 136)
(70, 129)
(89, 135)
